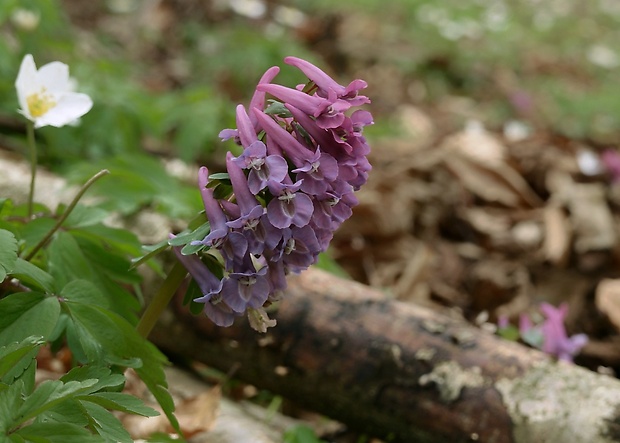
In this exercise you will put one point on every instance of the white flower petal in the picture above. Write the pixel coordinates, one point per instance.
(25, 83)
(27, 72)
(54, 77)
(69, 108)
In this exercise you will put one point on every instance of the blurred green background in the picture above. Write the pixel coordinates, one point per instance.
(165, 75)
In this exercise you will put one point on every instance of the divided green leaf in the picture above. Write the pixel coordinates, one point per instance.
(8, 252)
(150, 252)
(107, 337)
(16, 357)
(26, 314)
(32, 275)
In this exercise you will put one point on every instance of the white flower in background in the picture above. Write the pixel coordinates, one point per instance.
(46, 95)
(25, 19)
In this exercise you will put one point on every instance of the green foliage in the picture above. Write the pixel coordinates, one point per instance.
(27, 314)
(74, 408)
(76, 291)
(8, 252)
(301, 434)
(138, 181)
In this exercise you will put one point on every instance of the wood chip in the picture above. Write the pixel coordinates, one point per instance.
(608, 300)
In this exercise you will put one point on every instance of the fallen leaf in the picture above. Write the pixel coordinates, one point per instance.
(556, 246)
(607, 300)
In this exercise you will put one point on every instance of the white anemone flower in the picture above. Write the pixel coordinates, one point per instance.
(46, 95)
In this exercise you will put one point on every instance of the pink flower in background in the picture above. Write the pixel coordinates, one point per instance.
(611, 161)
(550, 335)
(556, 341)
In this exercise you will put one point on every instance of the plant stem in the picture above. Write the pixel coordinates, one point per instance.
(162, 298)
(32, 148)
(68, 211)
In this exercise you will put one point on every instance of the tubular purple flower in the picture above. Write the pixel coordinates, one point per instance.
(219, 312)
(333, 207)
(258, 99)
(215, 215)
(300, 248)
(208, 283)
(276, 276)
(312, 105)
(288, 206)
(321, 136)
(317, 172)
(333, 116)
(227, 134)
(262, 167)
(317, 75)
(325, 83)
(247, 134)
(245, 200)
(246, 289)
(297, 152)
(359, 119)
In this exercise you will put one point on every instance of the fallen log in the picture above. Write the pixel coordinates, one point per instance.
(401, 372)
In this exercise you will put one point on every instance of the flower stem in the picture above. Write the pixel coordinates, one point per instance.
(68, 211)
(162, 298)
(32, 148)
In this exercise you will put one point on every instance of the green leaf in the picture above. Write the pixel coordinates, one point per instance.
(67, 261)
(83, 216)
(16, 357)
(10, 402)
(106, 262)
(278, 108)
(106, 379)
(97, 332)
(187, 237)
(8, 252)
(301, 434)
(120, 402)
(107, 337)
(150, 252)
(26, 314)
(49, 394)
(219, 176)
(34, 231)
(85, 292)
(190, 249)
(192, 293)
(70, 411)
(106, 424)
(222, 191)
(57, 433)
(510, 332)
(121, 240)
(6, 206)
(32, 275)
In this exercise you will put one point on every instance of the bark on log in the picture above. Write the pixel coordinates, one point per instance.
(401, 372)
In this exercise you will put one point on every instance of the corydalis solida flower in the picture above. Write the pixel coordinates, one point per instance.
(304, 155)
(551, 336)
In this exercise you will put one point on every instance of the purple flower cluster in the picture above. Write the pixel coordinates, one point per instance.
(549, 335)
(292, 186)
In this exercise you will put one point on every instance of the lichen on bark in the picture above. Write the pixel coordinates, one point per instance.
(542, 404)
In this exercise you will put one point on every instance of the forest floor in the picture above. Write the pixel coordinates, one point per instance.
(487, 216)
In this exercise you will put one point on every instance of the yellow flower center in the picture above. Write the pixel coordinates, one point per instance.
(39, 103)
